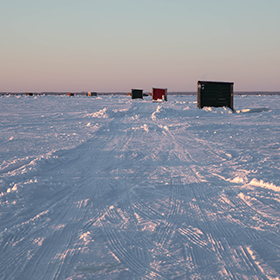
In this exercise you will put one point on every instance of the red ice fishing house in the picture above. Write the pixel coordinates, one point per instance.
(159, 93)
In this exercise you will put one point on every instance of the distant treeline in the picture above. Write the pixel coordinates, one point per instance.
(145, 94)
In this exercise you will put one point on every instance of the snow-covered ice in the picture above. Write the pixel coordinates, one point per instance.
(114, 188)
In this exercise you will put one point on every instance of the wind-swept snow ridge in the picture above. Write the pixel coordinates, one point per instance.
(114, 188)
(262, 184)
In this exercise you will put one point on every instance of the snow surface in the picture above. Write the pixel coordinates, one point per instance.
(114, 188)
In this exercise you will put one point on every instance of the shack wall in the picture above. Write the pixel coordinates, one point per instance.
(214, 94)
(136, 93)
(159, 93)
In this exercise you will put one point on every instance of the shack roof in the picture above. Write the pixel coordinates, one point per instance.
(214, 82)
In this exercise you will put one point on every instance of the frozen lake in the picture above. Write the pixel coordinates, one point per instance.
(112, 188)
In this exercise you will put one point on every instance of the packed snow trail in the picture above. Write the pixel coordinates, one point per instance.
(113, 188)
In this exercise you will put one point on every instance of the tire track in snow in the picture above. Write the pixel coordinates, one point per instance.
(111, 217)
(252, 267)
(198, 241)
(243, 228)
(206, 225)
(233, 233)
(130, 258)
(201, 199)
(48, 252)
(237, 223)
(127, 257)
(168, 226)
(145, 211)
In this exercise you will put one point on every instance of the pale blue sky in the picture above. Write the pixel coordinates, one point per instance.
(116, 45)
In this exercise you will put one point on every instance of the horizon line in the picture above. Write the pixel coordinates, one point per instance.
(125, 93)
